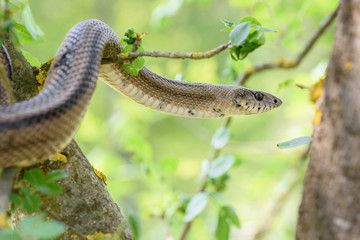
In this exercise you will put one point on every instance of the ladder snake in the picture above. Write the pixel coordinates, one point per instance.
(33, 130)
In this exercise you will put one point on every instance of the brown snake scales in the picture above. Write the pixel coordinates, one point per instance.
(33, 130)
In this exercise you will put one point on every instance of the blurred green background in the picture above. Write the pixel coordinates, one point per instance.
(151, 159)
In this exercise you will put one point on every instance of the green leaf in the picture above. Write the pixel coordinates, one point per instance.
(49, 188)
(196, 205)
(30, 24)
(168, 165)
(285, 84)
(223, 227)
(34, 176)
(55, 175)
(24, 191)
(9, 234)
(141, 148)
(254, 41)
(229, 26)
(135, 66)
(220, 138)
(31, 202)
(205, 166)
(31, 59)
(231, 215)
(134, 225)
(240, 33)
(227, 23)
(24, 36)
(36, 227)
(218, 196)
(295, 142)
(253, 21)
(14, 198)
(221, 165)
(130, 32)
(264, 28)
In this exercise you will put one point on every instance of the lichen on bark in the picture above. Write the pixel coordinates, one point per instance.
(84, 205)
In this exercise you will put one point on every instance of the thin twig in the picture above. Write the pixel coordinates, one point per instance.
(182, 55)
(285, 64)
(213, 155)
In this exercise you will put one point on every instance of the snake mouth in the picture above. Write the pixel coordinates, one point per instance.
(277, 102)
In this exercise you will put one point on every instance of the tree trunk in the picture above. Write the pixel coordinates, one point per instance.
(85, 205)
(330, 207)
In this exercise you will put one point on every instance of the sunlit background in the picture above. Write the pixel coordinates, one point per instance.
(151, 159)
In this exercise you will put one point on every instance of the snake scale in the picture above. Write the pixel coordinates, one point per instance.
(33, 130)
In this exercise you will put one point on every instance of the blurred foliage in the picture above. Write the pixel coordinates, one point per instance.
(153, 161)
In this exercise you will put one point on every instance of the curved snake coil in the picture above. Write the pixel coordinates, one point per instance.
(33, 130)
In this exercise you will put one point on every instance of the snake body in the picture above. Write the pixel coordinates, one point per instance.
(33, 130)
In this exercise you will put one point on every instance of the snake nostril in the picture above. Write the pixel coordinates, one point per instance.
(275, 101)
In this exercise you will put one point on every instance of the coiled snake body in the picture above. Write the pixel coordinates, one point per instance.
(33, 130)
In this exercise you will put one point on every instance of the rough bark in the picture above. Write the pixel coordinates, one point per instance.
(85, 205)
(330, 207)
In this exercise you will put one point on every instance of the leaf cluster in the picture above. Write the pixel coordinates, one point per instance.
(216, 173)
(132, 42)
(245, 37)
(28, 197)
(34, 227)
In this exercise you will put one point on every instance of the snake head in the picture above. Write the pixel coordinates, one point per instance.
(248, 101)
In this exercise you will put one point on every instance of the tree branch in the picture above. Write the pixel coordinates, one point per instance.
(213, 155)
(285, 64)
(182, 55)
(85, 205)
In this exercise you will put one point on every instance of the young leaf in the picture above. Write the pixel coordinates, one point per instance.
(220, 138)
(219, 197)
(264, 28)
(285, 84)
(231, 215)
(205, 166)
(24, 36)
(9, 234)
(240, 33)
(34, 176)
(49, 188)
(223, 227)
(30, 24)
(134, 225)
(252, 42)
(55, 175)
(196, 205)
(228, 25)
(168, 165)
(135, 66)
(253, 21)
(221, 165)
(30, 58)
(31, 202)
(36, 227)
(295, 142)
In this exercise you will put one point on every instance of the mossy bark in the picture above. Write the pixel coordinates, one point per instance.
(84, 205)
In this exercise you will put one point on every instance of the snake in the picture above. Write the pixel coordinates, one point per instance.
(35, 129)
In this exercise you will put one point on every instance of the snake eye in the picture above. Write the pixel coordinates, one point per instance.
(259, 96)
